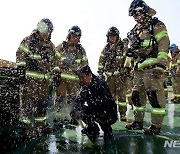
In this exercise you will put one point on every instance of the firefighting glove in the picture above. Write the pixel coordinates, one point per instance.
(56, 79)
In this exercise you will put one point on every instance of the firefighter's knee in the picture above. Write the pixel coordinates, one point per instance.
(152, 96)
(135, 98)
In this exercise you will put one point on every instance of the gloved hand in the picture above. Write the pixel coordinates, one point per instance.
(158, 72)
(56, 79)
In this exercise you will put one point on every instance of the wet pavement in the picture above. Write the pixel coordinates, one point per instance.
(71, 141)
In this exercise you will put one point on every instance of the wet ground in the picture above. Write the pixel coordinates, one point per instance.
(71, 141)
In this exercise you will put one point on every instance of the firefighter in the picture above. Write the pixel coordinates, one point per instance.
(149, 44)
(94, 104)
(34, 60)
(111, 68)
(175, 72)
(72, 56)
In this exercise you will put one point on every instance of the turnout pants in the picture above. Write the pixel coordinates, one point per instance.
(118, 89)
(176, 86)
(148, 85)
(65, 95)
(34, 100)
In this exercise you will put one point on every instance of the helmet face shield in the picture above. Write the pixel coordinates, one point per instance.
(42, 27)
(45, 26)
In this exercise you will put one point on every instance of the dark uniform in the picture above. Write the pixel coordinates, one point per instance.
(97, 104)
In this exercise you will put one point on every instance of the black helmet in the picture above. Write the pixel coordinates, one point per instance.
(112, 31)
(45, 25)
(74, 30)
(138, 5)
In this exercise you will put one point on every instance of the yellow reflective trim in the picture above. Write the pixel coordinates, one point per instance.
(127, 61)
(25, 120)
(173, 65)
(37, 75)
(139, 109)
(178, 61)
(35, 56)
(62, 58)
(160, 35)
(58, 54)
(158, 111)
(108, 73)
(116, 72)
(177, 95)
(21, 63)
(100, 66)
(84, 58)
(78, 61)
(69, 76)
(22, 47)
(166, 89)
(146, 43)
(122, 103)
(56, 69)
(40, 119)
(147, 62)
(163, 55)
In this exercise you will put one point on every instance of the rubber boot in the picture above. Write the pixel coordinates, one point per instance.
(152, 130)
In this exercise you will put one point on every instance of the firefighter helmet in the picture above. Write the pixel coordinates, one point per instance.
(137, 6)
(45, 26)
(112, 31)
(74, 30)
(173, 47)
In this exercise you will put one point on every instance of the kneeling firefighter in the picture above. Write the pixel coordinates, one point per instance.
(149, 47)
(34, 59)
